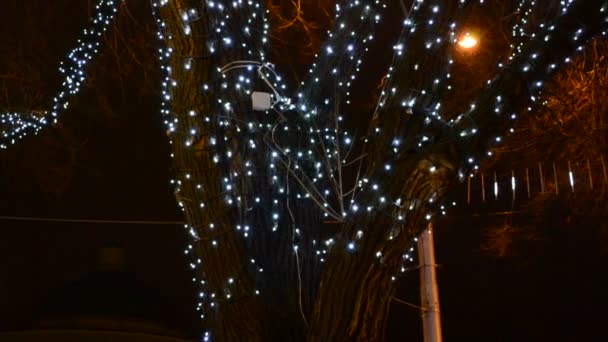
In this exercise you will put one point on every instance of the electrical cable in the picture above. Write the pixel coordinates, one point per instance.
(97, 221)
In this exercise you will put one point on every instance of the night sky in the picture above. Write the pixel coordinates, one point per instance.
(109, 160)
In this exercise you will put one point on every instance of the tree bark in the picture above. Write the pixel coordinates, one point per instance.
(235, 313)
(357, 286)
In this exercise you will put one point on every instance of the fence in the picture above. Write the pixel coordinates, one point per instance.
(521, 184)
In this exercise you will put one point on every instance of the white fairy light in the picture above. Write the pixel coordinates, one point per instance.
(16, 126)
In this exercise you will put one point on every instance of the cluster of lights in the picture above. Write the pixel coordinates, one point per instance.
(518, 31)
(231, 122)
(532, 65)
(16, 126)
(229, 126)
(425, 31)
(336, 67)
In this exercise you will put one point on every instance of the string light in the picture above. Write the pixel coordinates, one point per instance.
(16, 126)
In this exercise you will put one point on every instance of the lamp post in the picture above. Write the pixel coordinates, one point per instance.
(429, 293)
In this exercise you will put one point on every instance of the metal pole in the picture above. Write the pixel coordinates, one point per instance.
(590, 175)
(429, 294)
(483, 188)
(540, 173)
(555, 179)
(528, 182)
(469, 189)
(513, 185)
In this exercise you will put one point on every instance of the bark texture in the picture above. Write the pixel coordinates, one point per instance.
(221, 251)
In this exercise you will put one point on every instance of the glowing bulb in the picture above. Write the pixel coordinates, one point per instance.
(467, 42)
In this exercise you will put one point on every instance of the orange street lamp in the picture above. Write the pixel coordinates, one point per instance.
(467, 42)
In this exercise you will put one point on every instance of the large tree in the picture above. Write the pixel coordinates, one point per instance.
(299, 228)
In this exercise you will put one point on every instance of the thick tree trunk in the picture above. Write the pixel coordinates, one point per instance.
(353, 301)
(228, 293)
(357, 286)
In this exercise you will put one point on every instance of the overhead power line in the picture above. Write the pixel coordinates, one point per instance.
(96, 221)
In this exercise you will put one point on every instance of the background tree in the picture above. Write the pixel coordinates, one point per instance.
(268, 184)
(569, 127)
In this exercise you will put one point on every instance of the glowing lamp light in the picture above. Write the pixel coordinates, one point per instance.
(467, 42)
